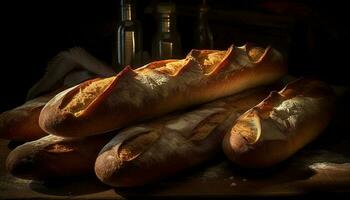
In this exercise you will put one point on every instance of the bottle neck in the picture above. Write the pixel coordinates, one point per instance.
(203, 17)
(127, 12)
(167, 23)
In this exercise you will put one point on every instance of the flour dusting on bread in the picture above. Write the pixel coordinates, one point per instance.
(290, 112)
(279, 126)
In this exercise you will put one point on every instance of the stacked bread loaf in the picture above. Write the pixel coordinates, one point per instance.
(21, 123)
(153, 122)
(99, 106)
(280, 125)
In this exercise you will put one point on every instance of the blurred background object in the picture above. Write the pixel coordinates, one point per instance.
(166, 43)
(313, 35)
(127, 41)
(203, 35)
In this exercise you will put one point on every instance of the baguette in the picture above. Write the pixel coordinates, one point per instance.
(95, 107)
(53, 157)
(280, 125)
(148, 152)
(21, 123)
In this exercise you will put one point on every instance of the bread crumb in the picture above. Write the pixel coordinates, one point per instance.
(136, 145)
(210, 61)
(256, 53)
(59, 148)
(87, 95)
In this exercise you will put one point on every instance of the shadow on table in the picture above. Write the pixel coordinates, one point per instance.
(215, 180)
(69, 186)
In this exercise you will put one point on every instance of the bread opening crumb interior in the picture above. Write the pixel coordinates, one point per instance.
(87, 95)
(209, 60)
(59, 148)
(207, 126)
(256, 53)
(172, 68)
(248, 127)
(134, 146)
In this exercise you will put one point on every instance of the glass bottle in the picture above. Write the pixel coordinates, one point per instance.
(128, 38)
(203, 34)
(166, 43)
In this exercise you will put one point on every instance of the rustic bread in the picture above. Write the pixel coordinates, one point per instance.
(280, 125)
(21, 123)
(162, 147)
(95, 107)
(53, 157)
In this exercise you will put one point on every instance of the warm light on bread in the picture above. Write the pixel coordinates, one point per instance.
(53, 157)
(86, 95)
(136, 145)
(256, 53)
(165, 146)
(99, 106)
(21, 123)
(280, 125)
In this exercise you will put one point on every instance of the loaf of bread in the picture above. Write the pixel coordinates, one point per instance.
(280, 125)
(21, 123)
(160, 148)
(53, 157)
(95, 107)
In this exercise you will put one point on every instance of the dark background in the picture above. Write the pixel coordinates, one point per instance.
(312, 35)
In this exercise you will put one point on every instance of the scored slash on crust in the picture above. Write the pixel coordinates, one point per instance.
(191, 62)
(205, 75)
(281, 124)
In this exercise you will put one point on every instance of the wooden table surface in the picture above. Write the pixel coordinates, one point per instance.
(322, 167)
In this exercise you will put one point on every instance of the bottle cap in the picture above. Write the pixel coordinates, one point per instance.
(166, 8)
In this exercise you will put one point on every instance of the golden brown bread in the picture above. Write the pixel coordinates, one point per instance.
(53, 157)
(21, 123)
(95, 107)
(162, 147)
(280, 125)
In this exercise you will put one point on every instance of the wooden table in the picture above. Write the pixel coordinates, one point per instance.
(322, 167)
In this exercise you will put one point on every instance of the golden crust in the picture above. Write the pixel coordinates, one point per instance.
(21, 123)
(52, 157)
(260, 138)
(165, 146)
(155, 89)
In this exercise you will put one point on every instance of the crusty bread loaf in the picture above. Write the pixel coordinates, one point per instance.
(280, 125)
(95, 107)
(162, 147)
(53, 157)
(21, 123)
